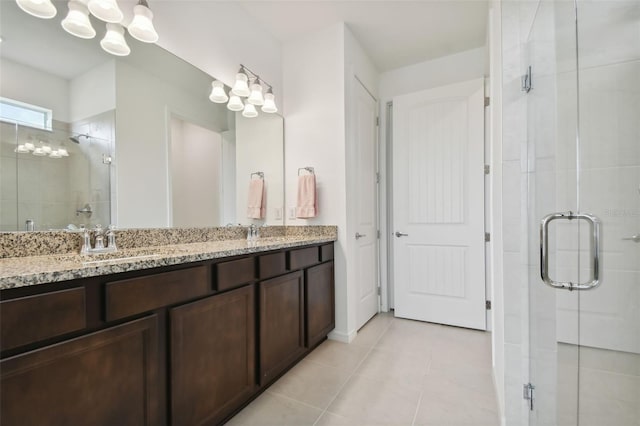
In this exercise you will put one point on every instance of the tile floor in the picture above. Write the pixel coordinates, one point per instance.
(396, 372)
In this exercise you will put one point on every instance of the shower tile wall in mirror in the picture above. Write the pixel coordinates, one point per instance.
(177, 158)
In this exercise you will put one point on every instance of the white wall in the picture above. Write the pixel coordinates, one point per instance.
(313, 73)
(260, 149)
(26, 84)
(217, 36)
(142, 160)
(196, 181)
(462, 66)
(93, 92)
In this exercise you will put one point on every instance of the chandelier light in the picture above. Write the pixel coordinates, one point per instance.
(141, 28)
(114, 42)
(39, 8)
(218, 94)
(77, 20)
(235, 103)
(106, 10)
(249, 111)
(254, 92)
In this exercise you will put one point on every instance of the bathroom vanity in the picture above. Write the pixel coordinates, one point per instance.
(185, 337)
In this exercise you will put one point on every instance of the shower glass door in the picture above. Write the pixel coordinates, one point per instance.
(584, 158)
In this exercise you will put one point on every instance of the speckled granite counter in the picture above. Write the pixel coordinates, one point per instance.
(33, 270)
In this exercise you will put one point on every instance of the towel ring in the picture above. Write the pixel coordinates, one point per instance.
(259, 174)
(308, 169)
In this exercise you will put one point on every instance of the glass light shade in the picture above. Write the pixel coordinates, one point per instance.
(114, 42)
(30, 146)
(269, 103)
(218, 94)
(39, 152)
(21, 149)
(39, 8)
(241, 88)
(77, 21)
(249, 111)
(256, 97)
(141, 28)
(106, 10)
(55, 154)
(46, 149)
(235, 103)
(63, 152)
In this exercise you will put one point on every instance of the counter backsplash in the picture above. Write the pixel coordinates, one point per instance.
(22, 244)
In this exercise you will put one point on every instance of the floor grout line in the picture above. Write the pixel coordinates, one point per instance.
(352, 374)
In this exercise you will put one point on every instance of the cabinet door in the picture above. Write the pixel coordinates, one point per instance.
(105, 378)
(319, 302)
(281, 324)
(213, 368)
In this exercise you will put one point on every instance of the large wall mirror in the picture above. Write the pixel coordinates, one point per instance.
(135, 140)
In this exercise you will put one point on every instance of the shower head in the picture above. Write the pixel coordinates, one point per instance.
(76, 139)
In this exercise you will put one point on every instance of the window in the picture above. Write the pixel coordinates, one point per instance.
(25, 114)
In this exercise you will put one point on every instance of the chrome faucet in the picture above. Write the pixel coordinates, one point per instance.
(99, 235)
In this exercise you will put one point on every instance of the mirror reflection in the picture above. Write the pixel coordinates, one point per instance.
(145, 146)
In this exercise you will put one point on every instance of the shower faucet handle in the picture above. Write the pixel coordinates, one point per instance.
(634, 238)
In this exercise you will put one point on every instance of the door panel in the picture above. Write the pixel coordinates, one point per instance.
(438, 199)
(366, 246)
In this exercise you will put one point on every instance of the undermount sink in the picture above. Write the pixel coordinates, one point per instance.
(124, 255)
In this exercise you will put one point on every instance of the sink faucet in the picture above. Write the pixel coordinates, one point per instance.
(99, 235)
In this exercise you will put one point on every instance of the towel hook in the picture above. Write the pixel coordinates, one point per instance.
(309, 169)
(259, 174)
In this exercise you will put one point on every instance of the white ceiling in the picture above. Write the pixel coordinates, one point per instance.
(395, 33)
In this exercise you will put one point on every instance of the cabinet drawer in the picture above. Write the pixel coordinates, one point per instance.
(301, 258)
(271, 265)
(235, 273)
(136, 295)
(30, 319)
(326, 252)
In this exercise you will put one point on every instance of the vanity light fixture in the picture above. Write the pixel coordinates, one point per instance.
(235, 103)
(39, 8)
(253, 93)
(218, 94)
(106, 10)
(141, 28)
(77, 21)
(241, 88)
(269, 102)
(249, 111)
(114, 42)
(256, 97)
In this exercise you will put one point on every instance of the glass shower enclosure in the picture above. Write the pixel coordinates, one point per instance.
(583, 156)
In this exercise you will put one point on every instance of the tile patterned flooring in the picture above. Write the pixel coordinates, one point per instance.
(396, 372)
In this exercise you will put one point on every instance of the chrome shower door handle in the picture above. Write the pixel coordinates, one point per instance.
(400, 234)
(634, 238)
(359, 235)
(595, 248)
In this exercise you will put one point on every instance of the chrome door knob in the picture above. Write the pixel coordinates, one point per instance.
(400, 234)
(359, 235)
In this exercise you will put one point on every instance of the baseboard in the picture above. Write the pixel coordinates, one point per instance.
(339, 336)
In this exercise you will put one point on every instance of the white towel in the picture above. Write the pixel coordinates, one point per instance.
(256, 203)
(307, 205)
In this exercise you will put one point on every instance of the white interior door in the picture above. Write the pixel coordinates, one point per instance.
(438, 202)
(366, 248)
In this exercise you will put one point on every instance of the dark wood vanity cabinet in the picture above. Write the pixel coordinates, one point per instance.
(104, 378)
(319, 303)
(213, 348)
(187, 344)
(281, 324)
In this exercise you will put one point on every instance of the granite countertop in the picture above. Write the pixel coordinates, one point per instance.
(32, 270)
